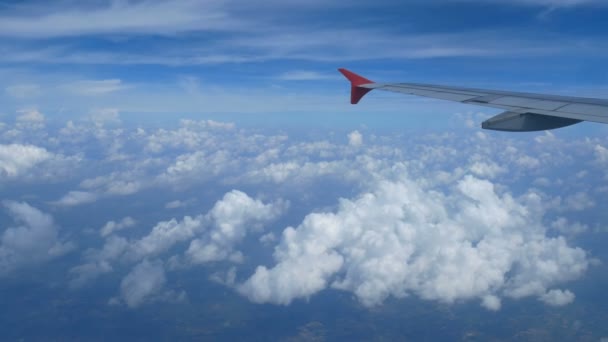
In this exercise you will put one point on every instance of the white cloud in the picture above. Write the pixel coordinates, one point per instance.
(558, 3)
(558, 297)
(487, 169)
(578, 201)
(562, 225)
(16, 159)
(116, 17)
(174, 204)
(601, 154)
(96, 87)
(355, 139)
(30, 119)
(403, 239)
(212, 236)
(549, 3)
(254, 38)
(143, 282)
(22, 91)
(113, 226)
(233, 218)
(301, 75)
(74, 198)
(491, 302)
(105, 116)
(448, 221)
(268, 238)
(34, 240)
(98, 261)
(165, 234)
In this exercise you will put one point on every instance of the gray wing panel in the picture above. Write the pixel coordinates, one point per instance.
(578, 108)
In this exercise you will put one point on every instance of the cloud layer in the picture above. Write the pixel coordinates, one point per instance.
(444, 217)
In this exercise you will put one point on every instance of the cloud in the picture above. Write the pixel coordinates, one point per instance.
(176, 204)
(104, 116)
(96, 87)
(355, 138)
(22, 91)
(74, 198)
(403, 239)
(543, 3)
(143, 17)
(301, 75)
(255, 37)
(34, 239)
(419, 220)
(578, 201)
(98, 262)
(486, 169)
(16, 159)
(558, 297)
(144, 281)
(491, 302)
(558, 3)
(112, 226)
(233, 218)
(601, 154)
(212, 236)
(30, 119)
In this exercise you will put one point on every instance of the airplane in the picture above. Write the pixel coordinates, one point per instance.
(525, 112)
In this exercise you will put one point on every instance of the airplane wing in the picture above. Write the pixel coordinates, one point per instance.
(524, 112)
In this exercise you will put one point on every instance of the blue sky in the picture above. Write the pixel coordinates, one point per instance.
(197, 164)
(207, 57)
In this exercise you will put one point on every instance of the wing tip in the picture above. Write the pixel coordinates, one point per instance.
(356, 92)
(354, 79)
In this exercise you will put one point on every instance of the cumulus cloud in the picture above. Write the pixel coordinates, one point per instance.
(403, 239)
(355, 138)
(176, 204)
(578, 201)
(33, 240)
(113, 226)
(74, 198)
(212, 236)
(562, 225)
(558, 297)
(233, 218)
(144, 281)
(15, 159)
(105, 116)
(491, 302)
(98, 262)
(601, 154)
(30, 118)
(486, 169)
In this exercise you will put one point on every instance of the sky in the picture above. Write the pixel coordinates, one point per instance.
(194, 170)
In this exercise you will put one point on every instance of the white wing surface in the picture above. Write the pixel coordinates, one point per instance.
(523, 111)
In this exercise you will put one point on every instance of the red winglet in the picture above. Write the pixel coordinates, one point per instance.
(356, 92)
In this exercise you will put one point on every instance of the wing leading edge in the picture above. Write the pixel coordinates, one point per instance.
(524, 112)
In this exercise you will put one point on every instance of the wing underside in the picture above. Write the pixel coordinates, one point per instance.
(523, 111)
